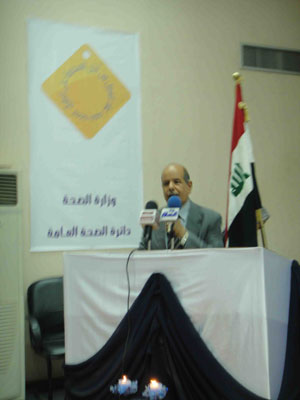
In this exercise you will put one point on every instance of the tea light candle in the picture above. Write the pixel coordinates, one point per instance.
(155, 390)
(124, 384)
(124, 387)
(154, 387)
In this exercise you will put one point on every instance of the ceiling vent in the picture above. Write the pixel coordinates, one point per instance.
(270, 59)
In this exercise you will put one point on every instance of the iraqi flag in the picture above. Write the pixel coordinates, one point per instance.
(243, 198)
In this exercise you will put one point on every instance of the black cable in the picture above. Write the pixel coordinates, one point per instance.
(128, 315)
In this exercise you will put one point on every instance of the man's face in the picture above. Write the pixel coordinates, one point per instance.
(173, 183)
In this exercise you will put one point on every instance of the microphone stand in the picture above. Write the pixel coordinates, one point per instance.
(172, 243)
(148, 236)
(170, 235)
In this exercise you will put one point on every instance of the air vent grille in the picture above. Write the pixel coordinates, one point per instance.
(271, 59)
(8, 190)
(8, 323)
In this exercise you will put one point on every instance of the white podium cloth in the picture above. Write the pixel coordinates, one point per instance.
(237, 299)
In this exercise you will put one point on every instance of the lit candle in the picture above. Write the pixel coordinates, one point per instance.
(154, 388)
(124, 384)
(154, 384)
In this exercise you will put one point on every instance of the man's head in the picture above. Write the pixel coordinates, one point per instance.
(176, 181)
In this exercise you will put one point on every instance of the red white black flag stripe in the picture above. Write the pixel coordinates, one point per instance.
(243, 198)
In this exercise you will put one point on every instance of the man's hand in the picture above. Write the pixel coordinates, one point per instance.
(179, 229)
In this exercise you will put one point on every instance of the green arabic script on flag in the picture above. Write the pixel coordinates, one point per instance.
(238, 179)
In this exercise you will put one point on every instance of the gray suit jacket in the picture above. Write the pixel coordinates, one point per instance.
(203, 225)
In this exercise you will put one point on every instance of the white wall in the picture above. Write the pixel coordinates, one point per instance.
(189, 50)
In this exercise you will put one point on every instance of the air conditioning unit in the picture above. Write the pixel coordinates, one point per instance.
(12, 363)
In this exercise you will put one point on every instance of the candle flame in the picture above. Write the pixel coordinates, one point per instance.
(124, 378)
(153, 383)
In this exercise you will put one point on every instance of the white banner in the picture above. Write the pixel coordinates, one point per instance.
(86, 163)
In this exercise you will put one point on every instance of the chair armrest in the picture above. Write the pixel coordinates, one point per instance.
(35, 332)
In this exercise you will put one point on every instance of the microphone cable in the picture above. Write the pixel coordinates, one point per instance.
(128, 314)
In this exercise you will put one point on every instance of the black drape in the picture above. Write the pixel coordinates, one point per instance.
(164, 344)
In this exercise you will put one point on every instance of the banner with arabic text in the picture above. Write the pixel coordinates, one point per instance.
(85, 161)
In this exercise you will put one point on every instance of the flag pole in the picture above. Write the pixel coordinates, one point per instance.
(259, 220)
(261, 226)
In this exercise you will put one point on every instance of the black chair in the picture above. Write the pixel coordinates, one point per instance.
(46, 321)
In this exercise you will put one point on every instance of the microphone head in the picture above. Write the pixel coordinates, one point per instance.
(151, 205)
(174, 202)
(149, 216)
(171, 213)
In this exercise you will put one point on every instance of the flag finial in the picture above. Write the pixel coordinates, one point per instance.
(237, 77)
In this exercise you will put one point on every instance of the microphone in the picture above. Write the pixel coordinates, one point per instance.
(170, 215)
(149, 219)
(174, 202)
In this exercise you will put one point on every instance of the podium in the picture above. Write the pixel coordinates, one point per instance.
(237, 299)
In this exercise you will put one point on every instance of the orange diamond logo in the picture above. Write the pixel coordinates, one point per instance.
(86, 91)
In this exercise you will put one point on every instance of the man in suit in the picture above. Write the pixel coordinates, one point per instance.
(197, 226)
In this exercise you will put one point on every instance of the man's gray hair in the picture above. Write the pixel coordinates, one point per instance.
(186, 175)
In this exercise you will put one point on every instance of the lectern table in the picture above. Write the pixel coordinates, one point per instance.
(237, 299)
